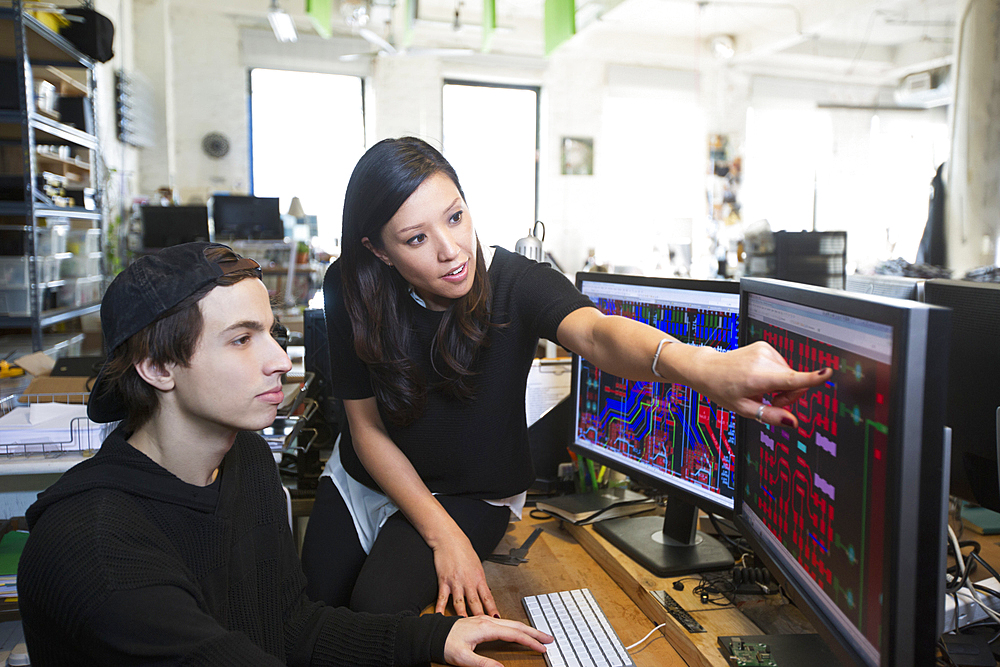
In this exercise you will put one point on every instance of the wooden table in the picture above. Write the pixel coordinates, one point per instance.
(566, 557)
(556, 562)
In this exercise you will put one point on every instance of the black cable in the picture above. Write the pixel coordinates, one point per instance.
(967, 561)
(715, 585)
(986, 590)
(944, 658)
(975, 556)
(954, 596)
(742, 548)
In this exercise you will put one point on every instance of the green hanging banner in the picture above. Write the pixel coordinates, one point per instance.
(560, 23)
(410, 22)
(320, 12)
(489, 23)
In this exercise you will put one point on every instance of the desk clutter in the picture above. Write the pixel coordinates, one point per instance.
(597, 505)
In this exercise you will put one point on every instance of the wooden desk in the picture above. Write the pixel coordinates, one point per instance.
(566, 557)
(556, 562)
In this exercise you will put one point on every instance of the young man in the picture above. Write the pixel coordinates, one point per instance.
(172, 545)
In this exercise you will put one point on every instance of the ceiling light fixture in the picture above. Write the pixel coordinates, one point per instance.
(723, 47)
(281, 23)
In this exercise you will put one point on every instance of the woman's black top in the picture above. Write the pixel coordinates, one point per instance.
(476, 448)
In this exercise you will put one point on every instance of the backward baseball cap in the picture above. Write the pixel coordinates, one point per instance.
(143, 293)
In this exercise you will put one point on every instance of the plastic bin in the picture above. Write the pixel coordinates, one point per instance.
(82, 266)
(84, 241)
(50, 267)
(13, 271)
(80, 292)
(14, 301)
(54, 345)
(52, 239)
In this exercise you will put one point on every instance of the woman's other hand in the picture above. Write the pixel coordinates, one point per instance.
(461, 578)
(468, 633)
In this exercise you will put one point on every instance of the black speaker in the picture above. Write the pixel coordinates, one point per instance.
(317, 361)
(548, 438)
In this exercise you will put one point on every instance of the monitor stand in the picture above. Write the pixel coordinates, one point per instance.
(669, 547)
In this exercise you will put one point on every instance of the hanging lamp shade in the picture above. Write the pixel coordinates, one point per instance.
(295, 208)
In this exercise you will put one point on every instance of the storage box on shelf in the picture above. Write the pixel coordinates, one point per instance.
(50, 219)
(55, 345)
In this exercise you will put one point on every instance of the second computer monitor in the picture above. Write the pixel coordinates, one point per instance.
(664, 435)
(848, 510)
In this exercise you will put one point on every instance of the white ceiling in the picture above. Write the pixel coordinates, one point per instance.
(863, 40)
(858, 41)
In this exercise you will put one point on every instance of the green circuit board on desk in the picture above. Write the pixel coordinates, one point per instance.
(747, 654)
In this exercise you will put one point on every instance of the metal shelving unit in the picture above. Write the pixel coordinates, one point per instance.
(58, 283)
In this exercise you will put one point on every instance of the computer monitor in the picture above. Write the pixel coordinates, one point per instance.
(241, 217)
(898, 287)
(165, 226)
(662, 435)
(974, 378)
(849, 510)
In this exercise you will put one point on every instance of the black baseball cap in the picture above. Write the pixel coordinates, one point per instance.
(143, 293)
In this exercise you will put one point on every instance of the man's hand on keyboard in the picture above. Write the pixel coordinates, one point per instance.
(468, 633)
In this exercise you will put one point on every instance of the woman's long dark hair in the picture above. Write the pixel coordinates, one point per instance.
(375, 294)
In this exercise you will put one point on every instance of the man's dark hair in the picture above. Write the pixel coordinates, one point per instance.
(171, 339)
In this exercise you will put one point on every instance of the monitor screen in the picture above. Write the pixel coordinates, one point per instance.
(165, 226)
(971, 408)
(663, 435)
(848, 511)
(240, 217)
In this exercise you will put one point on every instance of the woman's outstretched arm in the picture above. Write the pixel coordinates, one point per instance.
(737, 380)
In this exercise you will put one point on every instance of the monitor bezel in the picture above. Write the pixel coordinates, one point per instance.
(635, 473)
(914, 543)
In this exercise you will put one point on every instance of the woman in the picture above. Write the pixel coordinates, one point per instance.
(431, 340)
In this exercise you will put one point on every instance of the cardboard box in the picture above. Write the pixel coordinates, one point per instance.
(47, 389)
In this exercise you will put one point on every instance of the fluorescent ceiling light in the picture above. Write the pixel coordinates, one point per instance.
(281, 23)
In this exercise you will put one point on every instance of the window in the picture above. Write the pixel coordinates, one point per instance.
(491, 139)
(856, 170)
(651, 163)
(307, 133)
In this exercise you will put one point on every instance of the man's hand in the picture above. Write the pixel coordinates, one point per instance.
(468, 633)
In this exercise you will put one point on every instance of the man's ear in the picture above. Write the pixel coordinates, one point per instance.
(156, 376)
(375, 251)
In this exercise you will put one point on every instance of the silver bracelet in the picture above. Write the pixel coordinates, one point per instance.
(656, 357)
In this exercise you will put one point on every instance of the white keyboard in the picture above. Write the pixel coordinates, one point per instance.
(583, 635)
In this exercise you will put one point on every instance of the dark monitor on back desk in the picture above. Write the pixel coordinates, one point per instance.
(662, 435)
(973, 387)
(165, 226)
(242, 217)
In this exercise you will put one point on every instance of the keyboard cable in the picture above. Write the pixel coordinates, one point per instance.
(629, 648)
